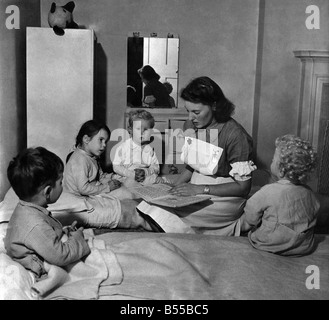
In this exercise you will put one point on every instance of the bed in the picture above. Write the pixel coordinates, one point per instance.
(167, 266)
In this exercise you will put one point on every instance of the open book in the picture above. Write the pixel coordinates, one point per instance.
(159, 194)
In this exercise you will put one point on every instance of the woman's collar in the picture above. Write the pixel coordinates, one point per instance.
(210, 133)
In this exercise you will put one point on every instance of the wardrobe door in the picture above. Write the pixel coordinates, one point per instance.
(59, 87)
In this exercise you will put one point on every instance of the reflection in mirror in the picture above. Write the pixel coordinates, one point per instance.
(161, 54)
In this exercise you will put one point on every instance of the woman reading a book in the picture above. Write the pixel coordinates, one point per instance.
(218, 157)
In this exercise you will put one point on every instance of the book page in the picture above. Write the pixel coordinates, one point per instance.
(151, 192)
(159, 194)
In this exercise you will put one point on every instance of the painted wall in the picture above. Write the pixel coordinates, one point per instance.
(284, 32)
(13, 83)
(217, 39)
(245, 45)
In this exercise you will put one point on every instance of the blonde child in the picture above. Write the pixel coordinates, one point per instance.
(135, 159)
(84, 177)
(35, 238)
(281, 216)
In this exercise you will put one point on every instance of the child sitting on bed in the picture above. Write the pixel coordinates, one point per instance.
(33, 236)
(84, 177)
(135, 159)
(281, 216)
(83, 174)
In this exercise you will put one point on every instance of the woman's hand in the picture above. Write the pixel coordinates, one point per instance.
(114, 184)
(139, 175)
(149, 101)
(186, 189)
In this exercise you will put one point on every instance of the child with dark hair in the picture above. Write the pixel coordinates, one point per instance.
(84, 177)
(135, 159)
(281, 216)
(83, 173)
(33, 235)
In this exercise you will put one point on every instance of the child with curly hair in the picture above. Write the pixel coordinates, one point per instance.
(281, 216)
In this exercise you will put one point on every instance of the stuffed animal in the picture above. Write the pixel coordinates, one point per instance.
(61, 17)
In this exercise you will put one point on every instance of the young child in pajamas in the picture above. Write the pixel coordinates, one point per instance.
(84, 177)
(281, 216)
(135, 159)
(34, 237)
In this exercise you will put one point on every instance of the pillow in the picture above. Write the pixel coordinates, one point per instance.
(15, 280)
(8, 205)
(3, 230)
(67, 202)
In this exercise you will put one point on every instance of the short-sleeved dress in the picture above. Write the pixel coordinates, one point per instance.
(220, 215)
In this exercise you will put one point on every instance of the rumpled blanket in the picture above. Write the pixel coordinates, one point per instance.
(141, 265)
(158, 269)
(81, 280)
(150, 270)
(202, 267)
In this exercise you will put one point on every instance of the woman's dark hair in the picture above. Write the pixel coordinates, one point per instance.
(33, 169)
(90, 128)
(148, 73)
(206, 91)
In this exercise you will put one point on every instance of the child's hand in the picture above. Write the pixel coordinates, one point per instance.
(78, 233)
(68, 229)
(149, 99)
(139, 175)
(64, 237)
(114, 184)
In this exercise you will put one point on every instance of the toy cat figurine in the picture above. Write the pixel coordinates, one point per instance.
(61, 17)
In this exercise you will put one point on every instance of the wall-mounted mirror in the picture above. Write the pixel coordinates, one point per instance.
(161, 55)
